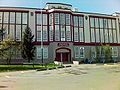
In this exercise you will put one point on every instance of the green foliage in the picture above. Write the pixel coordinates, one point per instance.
(27, 46)
(97, 54)
(7, 49)
(103, 52)
(108, 53)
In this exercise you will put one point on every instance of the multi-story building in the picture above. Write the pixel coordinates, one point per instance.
(67, 33)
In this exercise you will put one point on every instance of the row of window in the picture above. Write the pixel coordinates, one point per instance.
(103, 30)
(79, 52)
(14, 23)
(63, 30)
(13, 17)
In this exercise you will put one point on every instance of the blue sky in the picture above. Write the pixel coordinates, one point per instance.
(97, 6)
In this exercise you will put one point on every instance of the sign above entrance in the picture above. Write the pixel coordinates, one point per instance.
(63, 44)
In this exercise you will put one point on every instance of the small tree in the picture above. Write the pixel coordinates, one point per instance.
(8, 48)
(27, 46)
(108, 53)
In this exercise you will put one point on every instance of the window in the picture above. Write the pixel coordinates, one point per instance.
(68, 33)
(57, 33)
(62, 18)
(102, 35)
(91, 22)
(81, 35)
(103, 30)
(113, 23)
(75, 34)
(50, 19)
(24, 18)
(51, 33)
(62, 33)
(45, 34)
(101, 22)
(96, 23)
(44, 19)
(45, 52)
(56, 18)
(75, 20)
(80, 21)
(6, 30)
(67, 19)
(1, 13)
(106, 36)
(114, 52)
(12, 31)
(97, 35)
(92, 35)
(81, 52)
(18, 32)
(38, 33)
(39, 53)
(12, 17)
(115, 36)
(109, 23)
(18, 18)
(6, 17)
(110, 36)
(105, 23)
(76, 52)
(38, 18)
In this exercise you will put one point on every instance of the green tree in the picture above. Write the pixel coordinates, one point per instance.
(108, 53)
(8, 47)
(97, 54)
(27, 47)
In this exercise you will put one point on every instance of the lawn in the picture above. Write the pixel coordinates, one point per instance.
(6, 68)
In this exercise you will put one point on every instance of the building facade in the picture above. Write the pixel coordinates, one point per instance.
(67, 33)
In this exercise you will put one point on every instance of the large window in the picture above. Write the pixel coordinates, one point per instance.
(6, 17)
(114, 52)
(79, 52)
(76, 50)
(51, 33)
(24, 18)
(44, 27)
(56, 18)
(62, 26)
(103, 30)
(12, 17)
(78, 29)
(39, 53)
(18, 32)
(18, 18)
(57, 33)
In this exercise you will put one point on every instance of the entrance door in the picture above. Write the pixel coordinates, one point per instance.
(63, 55)
(58, 57)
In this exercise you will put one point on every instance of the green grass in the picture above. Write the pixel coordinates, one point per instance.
(6, 68)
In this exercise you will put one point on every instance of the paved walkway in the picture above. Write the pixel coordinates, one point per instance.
(77, 77)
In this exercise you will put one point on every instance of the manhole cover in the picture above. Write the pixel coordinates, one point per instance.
(3, 86)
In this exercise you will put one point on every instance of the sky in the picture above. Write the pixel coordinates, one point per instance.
(95, 6)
